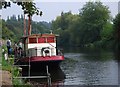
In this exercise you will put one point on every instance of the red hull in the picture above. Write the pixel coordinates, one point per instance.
(42, 59)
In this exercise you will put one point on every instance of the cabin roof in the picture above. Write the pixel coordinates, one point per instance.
(40, 35)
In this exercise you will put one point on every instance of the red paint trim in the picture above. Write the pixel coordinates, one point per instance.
(41, 58)
(32, 40)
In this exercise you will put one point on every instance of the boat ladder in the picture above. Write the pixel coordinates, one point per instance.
(31, 77)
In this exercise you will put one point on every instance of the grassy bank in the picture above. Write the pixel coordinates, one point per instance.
(7, 65)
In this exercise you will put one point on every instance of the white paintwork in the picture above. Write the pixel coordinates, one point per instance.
(36, 45)
(37, 49)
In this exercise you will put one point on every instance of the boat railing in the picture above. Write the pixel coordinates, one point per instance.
(60, 52)
(44, 51)
(41, 52)
(37, 52)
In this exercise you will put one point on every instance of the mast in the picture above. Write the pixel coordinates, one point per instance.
(24, 25)
(29, 25)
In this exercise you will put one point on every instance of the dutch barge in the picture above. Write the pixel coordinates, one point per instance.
(39, 49)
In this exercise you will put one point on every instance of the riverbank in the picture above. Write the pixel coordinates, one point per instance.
(6, 78)
(8, 71)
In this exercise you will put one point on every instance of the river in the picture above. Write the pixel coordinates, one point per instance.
(90, 67)
(86, 67)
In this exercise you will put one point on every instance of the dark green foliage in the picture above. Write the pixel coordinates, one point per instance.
(6, 33)
(13, 27)
(116, 33)
(117, 27)
(40, 27)
(91, 28)
(67, 26)
(8, 66)
(94, 17)
(28, 8)
(107, 38)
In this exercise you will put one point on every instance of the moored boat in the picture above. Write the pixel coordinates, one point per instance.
(39, 49)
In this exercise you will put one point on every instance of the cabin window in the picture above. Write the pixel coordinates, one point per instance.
(32, 40)
(41, 40)
(50, 40)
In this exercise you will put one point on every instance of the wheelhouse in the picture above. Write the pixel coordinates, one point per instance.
(40, 45)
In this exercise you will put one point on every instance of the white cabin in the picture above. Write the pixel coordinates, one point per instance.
(40, 45)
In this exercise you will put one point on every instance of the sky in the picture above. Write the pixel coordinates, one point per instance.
(53, 8)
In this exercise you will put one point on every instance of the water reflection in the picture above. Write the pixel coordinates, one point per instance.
(83, 67)
(56, 74)
(90, 67)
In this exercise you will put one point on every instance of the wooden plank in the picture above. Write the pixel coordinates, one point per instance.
(30, 77)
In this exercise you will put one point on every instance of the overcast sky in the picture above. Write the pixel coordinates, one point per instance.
(54, 8)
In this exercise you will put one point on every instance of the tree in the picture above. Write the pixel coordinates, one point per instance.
(67, 26)
(94, 16)
(4, 4)
(116, 33)
(14, 29)
(107, 39)
(28, 8)
(6, 33)
(116, 23)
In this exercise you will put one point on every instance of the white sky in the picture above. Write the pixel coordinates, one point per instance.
(53, 8)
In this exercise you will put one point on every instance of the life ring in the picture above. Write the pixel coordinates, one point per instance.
(46, 51)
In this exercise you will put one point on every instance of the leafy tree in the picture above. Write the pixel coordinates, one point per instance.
(4, 4)
(63, 21)
(107, 36)
(117, 31)
(14, 28)
(94, 16)
(86, 28)
(28, 8)
(67, 26)
(6, 33)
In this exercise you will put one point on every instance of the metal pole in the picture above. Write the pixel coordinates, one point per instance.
(49, 79)
(29, 68)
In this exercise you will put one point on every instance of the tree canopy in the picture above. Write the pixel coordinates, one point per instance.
(28, 6)
(117, 30)
(86, 28)
(94, 17)
(13, 27)
(91, 27)
(67, 25)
